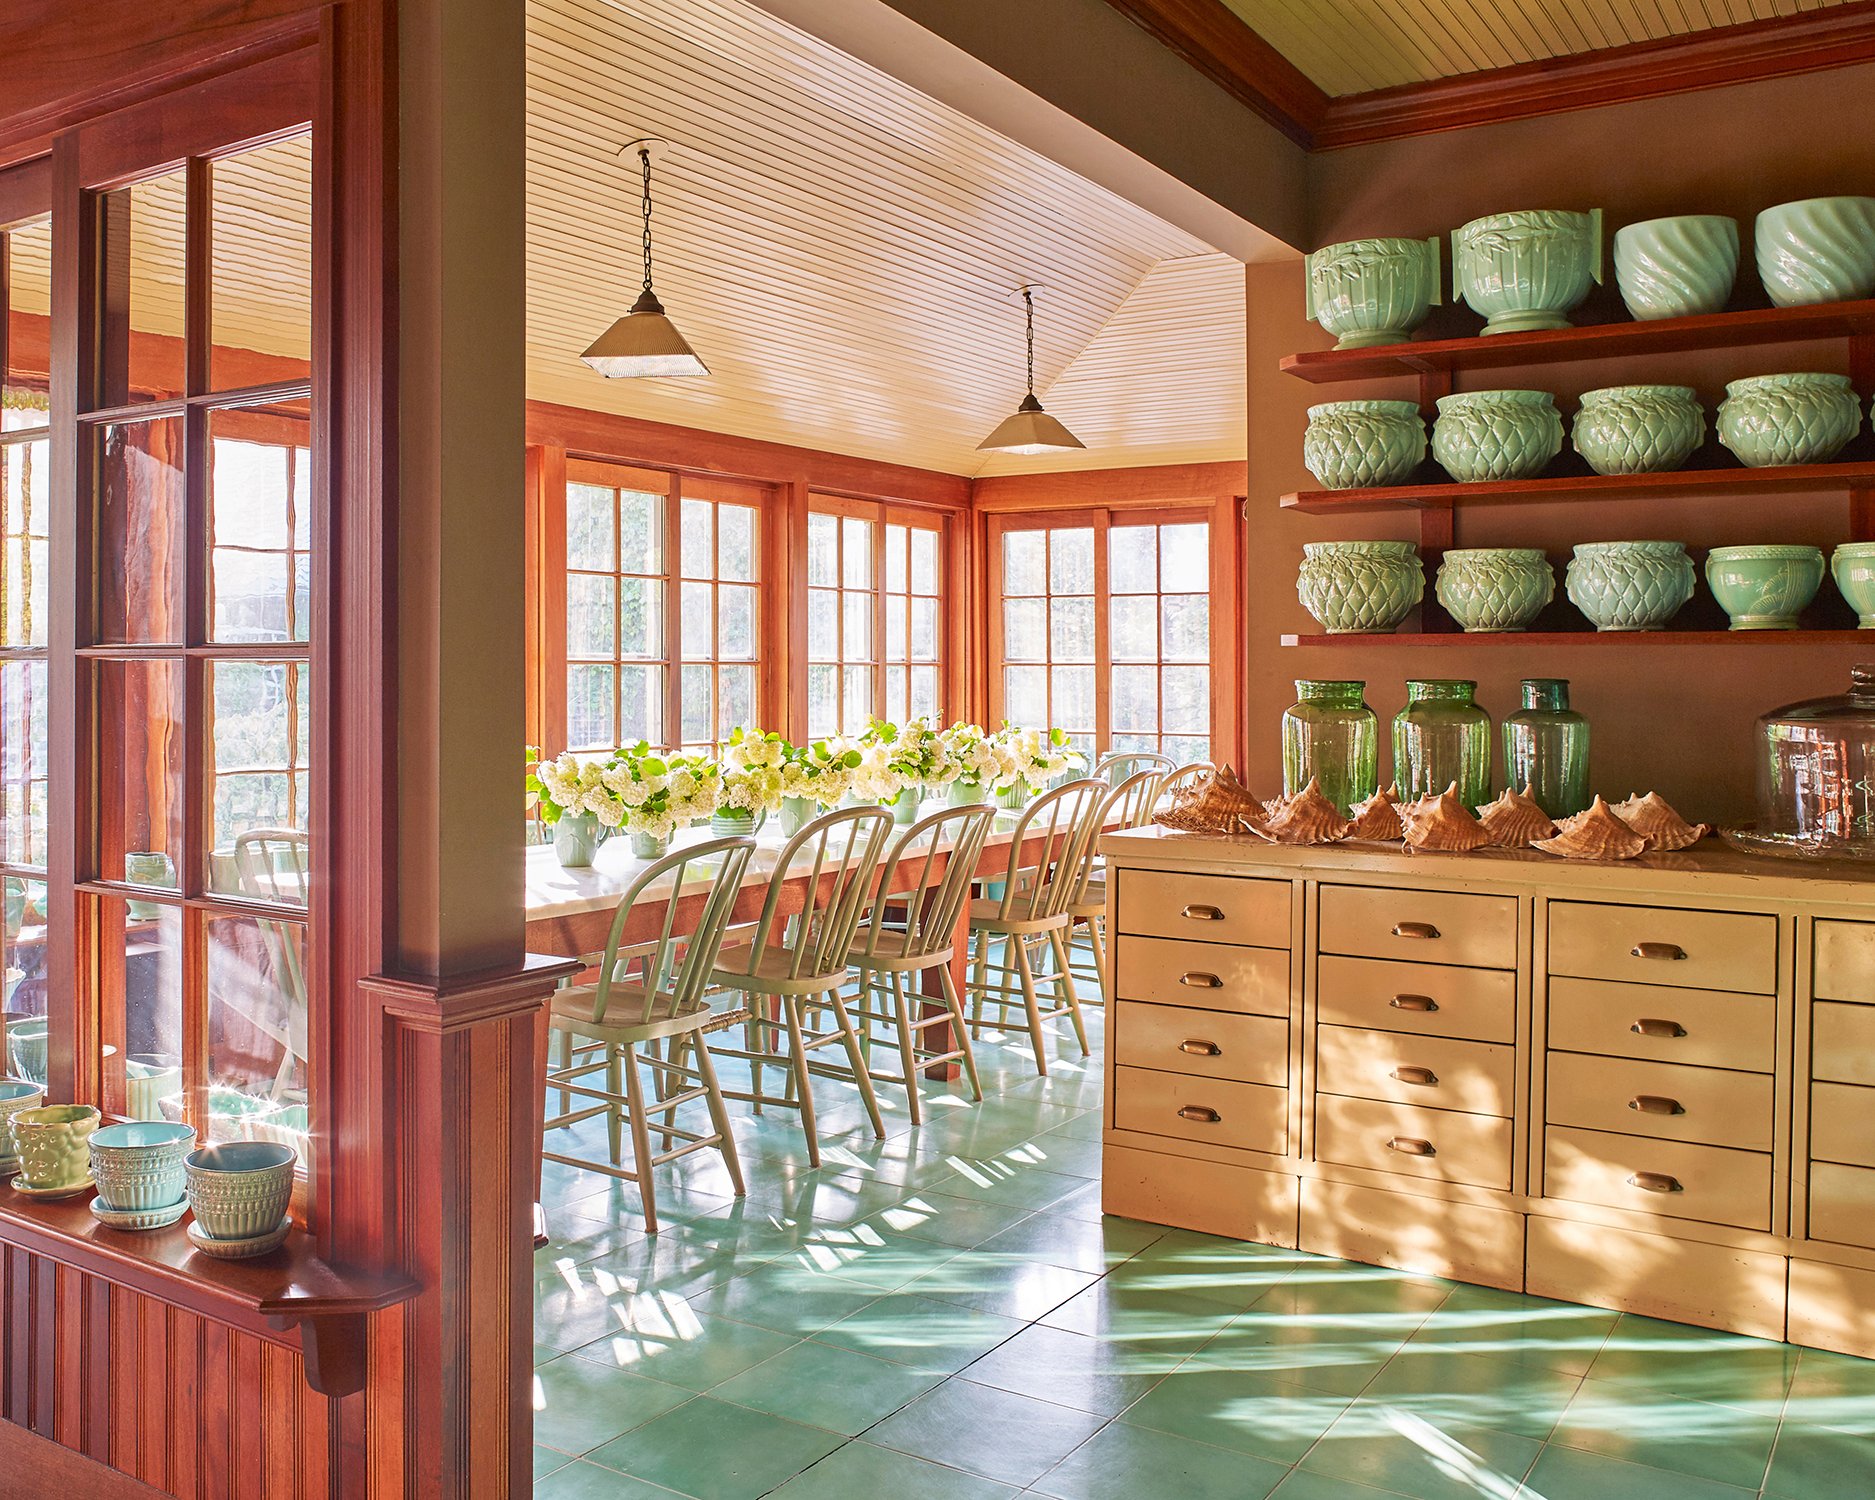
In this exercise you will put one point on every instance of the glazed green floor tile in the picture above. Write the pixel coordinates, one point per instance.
(946, 1314)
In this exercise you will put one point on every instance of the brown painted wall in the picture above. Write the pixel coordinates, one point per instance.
(1677, 719)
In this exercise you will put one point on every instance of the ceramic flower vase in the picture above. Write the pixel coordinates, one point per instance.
(139, 1165)
(1764, 588)
(15, 1095)
(576, 839)
(1494, 589)
(1369, 292)
(1491, 435)
(967, 794)
(1678, 267)
(1805, 418)
(649, 845)
(1817, 250)
(906, 804)
(239, 1190)
(1852, 565)
(1355, 444)
(730, 823)
(1630, 585)
(1356, 587)
(1638, 429)
(1015, 797)
(26, 1047)
(1524, 270)
(796, 814)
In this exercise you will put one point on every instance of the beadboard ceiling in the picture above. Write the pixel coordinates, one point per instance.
(1350, 46)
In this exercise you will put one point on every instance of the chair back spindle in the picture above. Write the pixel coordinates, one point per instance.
(940, 853)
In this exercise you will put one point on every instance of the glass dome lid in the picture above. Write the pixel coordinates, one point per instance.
(1815, 772)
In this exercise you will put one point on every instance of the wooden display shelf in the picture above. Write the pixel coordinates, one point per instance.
(289, 1287)
(1547, 639)
(1726, 330)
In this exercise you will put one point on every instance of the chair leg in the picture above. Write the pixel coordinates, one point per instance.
(641, 1140)
(791, 1011)
(907, 1048)
(1026, 973)
(980, 990)
(862, 1075)
(1057, 939)
(666, 1083)
(612, 1121)
(719, 1114)
(562, 1060)
(959, 1030)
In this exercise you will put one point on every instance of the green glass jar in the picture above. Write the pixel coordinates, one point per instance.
(1330, 734)
(1440, 738)
(1546, 748)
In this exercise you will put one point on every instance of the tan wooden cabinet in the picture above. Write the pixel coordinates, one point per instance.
(1646, 1085)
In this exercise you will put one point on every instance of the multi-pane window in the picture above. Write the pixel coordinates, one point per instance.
(842, 600)
(913, 646)
(1104, 630)
(656, 561)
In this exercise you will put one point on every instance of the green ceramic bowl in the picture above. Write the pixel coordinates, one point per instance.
(1357, 587)
(1485, 435)
(1677, 267)
(239, 1189)
(1817, 250)
(1852, 565)
(1764, 588)
(53, 1143)
(1353, 444)
(15, 1095)
(1804, 418)
(1638, 429)
(1524, 270)
(1369, 292)
(1492, 589)
(1630, 585)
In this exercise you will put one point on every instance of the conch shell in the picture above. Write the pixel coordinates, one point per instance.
(1595, 834)
(1515, 820)
(1654, 819)
(1378, 817)
(1218, 803)
(1307, 818)
(1442, 824)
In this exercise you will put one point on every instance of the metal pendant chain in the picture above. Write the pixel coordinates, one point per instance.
(644, 162)
(1028, 304)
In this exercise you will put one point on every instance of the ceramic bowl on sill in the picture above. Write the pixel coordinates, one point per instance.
(1817, 250)
(1630, 585)
(15, 1094)
(1678, 267)
(1764, 588)
(1357, 444)
(138, 1164)
(1524, 270)
(1494, 435)
(52, 1142)
(1803, 418)
(1359, 587)
(1638, 429)
(1370, 292)
(26, 1047)
(1852, 565)
(239, 1190)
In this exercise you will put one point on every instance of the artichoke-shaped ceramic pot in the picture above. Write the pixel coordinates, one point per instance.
(1352, 444)
(1524, 270)
(1788, 419)
(1630, 585)
(1852, 565)
(1638, 429)
(1368, 292)
(1482, 435)
(1354, 587)
(1678, 267)
(1817, 250)
(1493, 589)
(1764, 588)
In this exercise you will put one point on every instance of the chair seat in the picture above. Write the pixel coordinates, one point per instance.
(626, 1019)
(987, 914)
(738, 969)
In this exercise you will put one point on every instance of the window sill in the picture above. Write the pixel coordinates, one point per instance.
(291, 1287)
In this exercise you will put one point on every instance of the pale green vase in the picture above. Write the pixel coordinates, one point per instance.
(1355, 444)
(1370, 292)
(1764, 588)
(1852, 565)
(576, 839)
(1524, 270)
(1358, 587)
(1493, 589)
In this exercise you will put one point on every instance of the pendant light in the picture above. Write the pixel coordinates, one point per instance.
(1030, 429)
(644, 341)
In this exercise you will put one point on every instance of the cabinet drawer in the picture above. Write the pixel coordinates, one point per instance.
(1700, 950)
(1210, 908)
(1842, 1043)
(1440, 1144)
(1845, 961)
(1219, 1112)
(1419, 999)
(1842, 1123)
(1203, 1043)
(1708, 1183)
(1708, 1028)
(1842, 1204)
(1210, 976)
(1436, 1072)
(1437, 927)
(1674, 1103)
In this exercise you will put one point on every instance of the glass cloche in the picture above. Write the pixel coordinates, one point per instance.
(1816, 776)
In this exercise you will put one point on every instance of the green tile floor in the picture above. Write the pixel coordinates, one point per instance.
(945, 1315)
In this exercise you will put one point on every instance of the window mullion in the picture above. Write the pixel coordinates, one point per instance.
(673, 653)
(1103, 646)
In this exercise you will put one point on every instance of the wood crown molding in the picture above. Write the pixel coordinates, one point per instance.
(463, 1000)
(1804, 43)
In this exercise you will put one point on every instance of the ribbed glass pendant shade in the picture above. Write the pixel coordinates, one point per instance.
(643, 342)
(1029, 430)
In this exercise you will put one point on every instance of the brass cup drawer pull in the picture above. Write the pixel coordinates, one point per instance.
(1424, 1077)
(1408, 1145)
(1199, 1114)
(1423, 1004)
(1652, 1026)
(1656, 1104)
(1655, 1182)
(1198, 1047)
(1424, 931)
(1668, 952)
(1199, 980)
(1203, 913)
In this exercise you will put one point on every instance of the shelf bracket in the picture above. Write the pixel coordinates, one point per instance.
(332, 1350)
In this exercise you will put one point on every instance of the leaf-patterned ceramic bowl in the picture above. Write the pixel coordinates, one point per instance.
(1768, 420)
(1369, 292)
(1355, 587)
(1524, 270)
(1630, 585)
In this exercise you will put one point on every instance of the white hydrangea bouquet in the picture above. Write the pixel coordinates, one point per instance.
(820, 773)
(1036, 757)
(573, 800)
(752, 782)
(660, 794)
(971, 762)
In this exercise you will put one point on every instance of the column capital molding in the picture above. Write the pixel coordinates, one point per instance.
(427, 1003)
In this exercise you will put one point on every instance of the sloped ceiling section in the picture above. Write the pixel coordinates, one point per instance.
(841, 250)
(1351, 46)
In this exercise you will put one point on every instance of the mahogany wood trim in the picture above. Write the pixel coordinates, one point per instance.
(1799, 479)
(1588, 637)
(25, 191)
(1222, 46)
(465, 1000)
(1151, 484)
(36, 1465)
(1807, 42)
